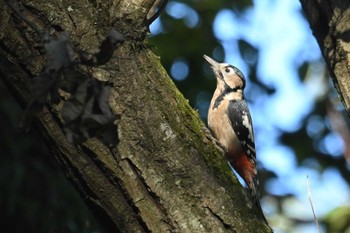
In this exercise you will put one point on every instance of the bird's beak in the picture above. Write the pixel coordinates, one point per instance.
(214, 64)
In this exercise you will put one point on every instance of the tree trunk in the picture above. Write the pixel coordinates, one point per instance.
(330, 23)
(165, 174)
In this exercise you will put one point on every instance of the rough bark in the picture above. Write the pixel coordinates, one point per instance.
(165, 175)
(330, 23)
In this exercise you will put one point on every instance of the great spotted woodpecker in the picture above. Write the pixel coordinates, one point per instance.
(230, 123)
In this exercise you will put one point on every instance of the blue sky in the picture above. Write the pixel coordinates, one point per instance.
(285, 41)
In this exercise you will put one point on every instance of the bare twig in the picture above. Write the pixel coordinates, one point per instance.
(312, 206)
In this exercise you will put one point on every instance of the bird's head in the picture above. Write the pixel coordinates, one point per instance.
(227, 75)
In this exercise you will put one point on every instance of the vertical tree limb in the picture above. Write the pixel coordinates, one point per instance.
(330, 23)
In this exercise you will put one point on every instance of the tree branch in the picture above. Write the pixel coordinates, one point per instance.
(165, 168)
(329, 21)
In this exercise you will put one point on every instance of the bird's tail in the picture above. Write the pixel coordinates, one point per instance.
(247, 170)
(254, 191)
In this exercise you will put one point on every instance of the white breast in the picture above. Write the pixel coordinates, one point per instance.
(220, 127)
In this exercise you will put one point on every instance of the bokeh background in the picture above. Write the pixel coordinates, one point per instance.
(301, 128)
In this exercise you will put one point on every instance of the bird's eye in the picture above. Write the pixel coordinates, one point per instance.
(228, 70)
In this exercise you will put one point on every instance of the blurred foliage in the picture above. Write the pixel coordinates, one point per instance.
(33, 190)
(340, 216)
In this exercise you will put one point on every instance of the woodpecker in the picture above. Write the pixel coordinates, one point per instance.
(230, 123)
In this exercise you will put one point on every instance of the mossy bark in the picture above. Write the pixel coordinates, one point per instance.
(165, 175)
(330, 23)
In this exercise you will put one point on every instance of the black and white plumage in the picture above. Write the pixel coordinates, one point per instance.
(230, 123)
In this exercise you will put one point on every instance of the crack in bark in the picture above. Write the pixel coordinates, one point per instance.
(72, 20)
(153, 195)
(11, 73)
(217, 216)
(82, 186)
(116, 181)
